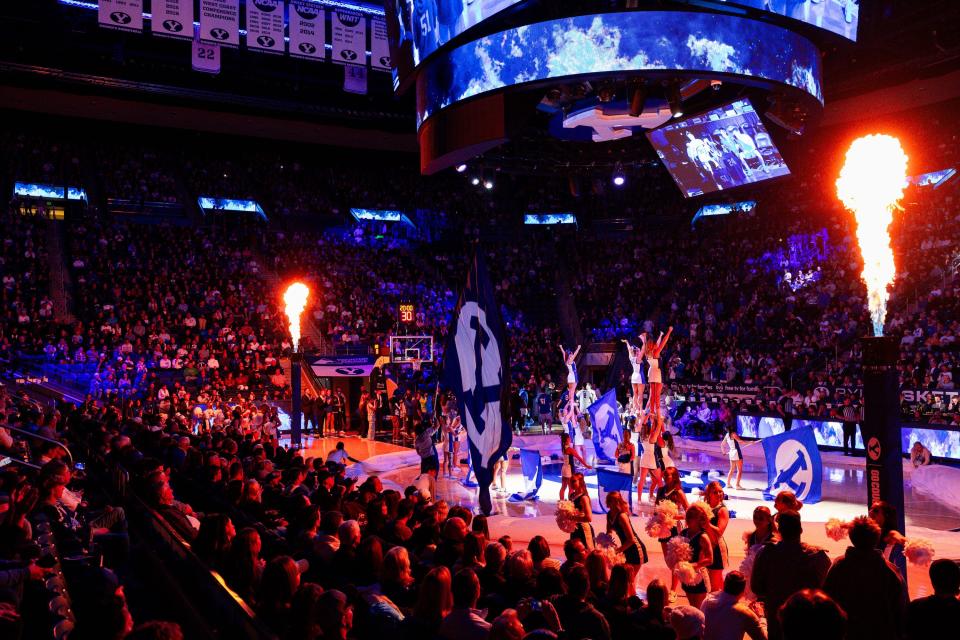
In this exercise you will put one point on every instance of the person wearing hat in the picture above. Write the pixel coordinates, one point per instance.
(100, 606)
(687, 622)
(726, 617)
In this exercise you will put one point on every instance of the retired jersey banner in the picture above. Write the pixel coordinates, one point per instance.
(307, 31)
(205, 56)
(379, 46)
(355, 79)
(220, 22)
(349, 37)
(265, 26)
(125, 15)
(172, 18)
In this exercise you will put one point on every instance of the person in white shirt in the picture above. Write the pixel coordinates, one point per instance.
(726, 617)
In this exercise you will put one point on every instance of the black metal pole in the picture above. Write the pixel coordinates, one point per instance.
(881, 425)
(295, 417)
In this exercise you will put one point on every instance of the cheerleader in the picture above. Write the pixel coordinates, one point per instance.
(787, 501)
(672, 490)
(568, 455)
(570, 359)
(654, 458)
(631, 546)
(654, 375)
(731, 446)
(451, 429)
(581, 502)
(626, 454)
(571, 419)
(500, 468)
(638, 379)
(719, 519)
(764, 528)
(891, 541)
(699, 538)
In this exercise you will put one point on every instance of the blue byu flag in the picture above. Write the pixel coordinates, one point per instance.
(532, 470)
(793, 463)
(475, 369)
(607, 430)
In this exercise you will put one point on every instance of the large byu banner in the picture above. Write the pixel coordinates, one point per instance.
(379, 47)
(793, 464)
(220, 22)
(307, 31)
(124, 15)
(265, 26)
(172, 18)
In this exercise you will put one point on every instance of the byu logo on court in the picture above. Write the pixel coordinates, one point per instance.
(794, 469)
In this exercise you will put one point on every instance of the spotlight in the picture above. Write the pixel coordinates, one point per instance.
(488, 179)
(461, 168)
(637, 100)
(618, 177)
(675, 100)
(474, 180)
(716, 84)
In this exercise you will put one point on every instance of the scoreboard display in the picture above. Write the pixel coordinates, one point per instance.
(407, 312)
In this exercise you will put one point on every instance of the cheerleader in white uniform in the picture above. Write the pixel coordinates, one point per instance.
(654, 458)
(654, 376)
(731, 445)
(638, 379)
(570, 359)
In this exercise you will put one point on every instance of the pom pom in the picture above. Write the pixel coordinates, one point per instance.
(836, 529)
(663, 519)
(678, 550)
(919, 551)
(566, 514)
(607, 540)
(687, 574)
(608, 545)
(746, 568)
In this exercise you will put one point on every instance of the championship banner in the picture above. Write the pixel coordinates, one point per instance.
(265, 26)
(793, 464)
(307, 31)
(172, 18)
(476, 362)
(349, 37)
(205, 56)
(607, 429)
(379, 46)
(220, 22)
(123, 15)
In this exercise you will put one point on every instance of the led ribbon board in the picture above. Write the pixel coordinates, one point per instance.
(837, 16)
(48, 191)
(549, 218)
(694, 44)
(208, 203)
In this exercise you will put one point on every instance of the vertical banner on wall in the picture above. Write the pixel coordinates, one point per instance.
(172, 18)
(379, 46)
(265, 26)
(349, 38)
(355, 79)
(220, 22)
(125, 15)
(205, 56)
(307, 31)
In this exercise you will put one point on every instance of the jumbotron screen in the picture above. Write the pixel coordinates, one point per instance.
(717, 150)
(429, 24)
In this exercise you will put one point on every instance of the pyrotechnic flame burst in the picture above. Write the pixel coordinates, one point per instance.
(295, 301)
(871, 184)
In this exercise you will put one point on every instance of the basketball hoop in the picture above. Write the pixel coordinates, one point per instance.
(415, 363)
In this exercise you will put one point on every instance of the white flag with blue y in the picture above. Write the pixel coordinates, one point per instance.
(476, 367)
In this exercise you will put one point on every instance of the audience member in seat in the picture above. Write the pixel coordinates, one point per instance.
(928, 617)
(161, 499)
(867, 587)
(811, 614)
(786, 567)
(727, 618)
(243, 565)
(465, 622)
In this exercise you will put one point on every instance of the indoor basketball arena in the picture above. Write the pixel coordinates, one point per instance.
(480, 319)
